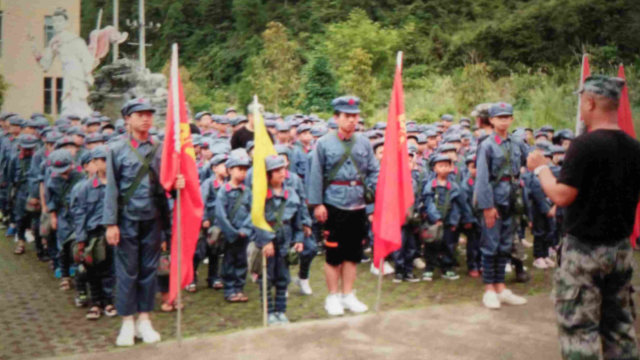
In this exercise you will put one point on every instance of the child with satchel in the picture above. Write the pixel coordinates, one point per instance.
(92, 251)
(232, 216)
(210, 244)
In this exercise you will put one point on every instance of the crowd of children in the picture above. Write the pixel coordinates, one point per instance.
(469, 179)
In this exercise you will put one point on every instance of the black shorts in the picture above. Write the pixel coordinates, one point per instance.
(347, 230)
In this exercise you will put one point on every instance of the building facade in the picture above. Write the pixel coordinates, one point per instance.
(30, 89)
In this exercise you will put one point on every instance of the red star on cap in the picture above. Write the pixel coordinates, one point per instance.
(140, 101)
(503, 105)
(352, 101)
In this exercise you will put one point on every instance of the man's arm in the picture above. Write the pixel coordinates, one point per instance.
(560, 194)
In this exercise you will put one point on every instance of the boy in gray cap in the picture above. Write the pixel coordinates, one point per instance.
(232, 215)
(90, 237)
(337, 191)
(18, 171)
(58, 194)
(284, 213)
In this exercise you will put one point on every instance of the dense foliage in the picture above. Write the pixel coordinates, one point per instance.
(296, 55)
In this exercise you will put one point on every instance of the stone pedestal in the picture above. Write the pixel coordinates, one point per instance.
(123, 80)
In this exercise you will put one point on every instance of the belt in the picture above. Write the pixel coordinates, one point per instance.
(507, 178)
(347, 183)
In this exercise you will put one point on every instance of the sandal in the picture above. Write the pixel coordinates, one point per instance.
(110, 311)
(235, 298)
(166, 307)
(19, 250)
(218, 285)
(93, 313)
(65, 284)
(242, 297)
(191, 288)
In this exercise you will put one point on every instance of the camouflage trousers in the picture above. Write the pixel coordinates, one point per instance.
(594, 301)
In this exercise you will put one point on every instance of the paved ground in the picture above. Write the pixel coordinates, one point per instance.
(443, 332)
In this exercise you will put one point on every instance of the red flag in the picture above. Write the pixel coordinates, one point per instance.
(178, 157)
(394, 193)
(625, 121)
(585, 71)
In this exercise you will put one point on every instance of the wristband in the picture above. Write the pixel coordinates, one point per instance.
(537, 170)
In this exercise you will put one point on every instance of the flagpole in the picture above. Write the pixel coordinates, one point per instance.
(381, 265)
(579, 125)
(176, 118)
(380, 274)
(264, 258)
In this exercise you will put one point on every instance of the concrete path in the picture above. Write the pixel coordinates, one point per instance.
(466, 331)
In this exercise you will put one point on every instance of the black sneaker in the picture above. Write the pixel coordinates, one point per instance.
(410, 278)
(365, 259)
(397, 278)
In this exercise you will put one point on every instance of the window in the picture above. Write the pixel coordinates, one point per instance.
(58, 95)
(48, 29)
(1, 33)
(48, 95)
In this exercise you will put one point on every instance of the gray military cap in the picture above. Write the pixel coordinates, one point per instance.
(274, 162)
(346, 104)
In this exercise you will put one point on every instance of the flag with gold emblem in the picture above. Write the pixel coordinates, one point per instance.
(179, 157)
(394, 192)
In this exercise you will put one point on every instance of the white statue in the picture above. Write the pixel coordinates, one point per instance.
(78, 60)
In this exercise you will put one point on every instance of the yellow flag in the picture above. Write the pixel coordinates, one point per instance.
(262, 148)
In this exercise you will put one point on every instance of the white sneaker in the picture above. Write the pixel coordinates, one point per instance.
(374, 270)
(145, 331)
(28, 236)
(526, 243)
(508, 268)
(509, 298)
(305, 288)
(351, 303)
(419, 264)
(490, 300)
(550, 263)
(388, 269)
(333, 305)
(126, 335)
(540, 263)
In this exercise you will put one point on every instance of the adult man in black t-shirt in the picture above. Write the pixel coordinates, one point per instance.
(242, 136)
(599, 187)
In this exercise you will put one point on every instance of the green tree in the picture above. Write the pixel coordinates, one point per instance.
(358, 31)
(320, 85)
(356, 78)
(275, 72)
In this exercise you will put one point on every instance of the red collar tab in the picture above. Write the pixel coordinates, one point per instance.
(471, 181)
(95, 182)
(229, 188)
(216, 184)
(135, 142)
(79, 168)
(434, 184)
(270, 194)
(498, 139)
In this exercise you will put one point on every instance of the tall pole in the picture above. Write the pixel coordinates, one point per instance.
(116, 20)
(141, 40)
(176, 117)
